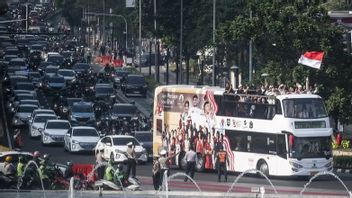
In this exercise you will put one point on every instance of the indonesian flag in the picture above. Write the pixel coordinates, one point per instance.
(312, 59)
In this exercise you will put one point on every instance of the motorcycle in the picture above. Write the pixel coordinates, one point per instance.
(130, 184)
(30, 180)
(7, 182)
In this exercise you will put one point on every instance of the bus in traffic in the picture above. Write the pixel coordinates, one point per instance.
(282, 135)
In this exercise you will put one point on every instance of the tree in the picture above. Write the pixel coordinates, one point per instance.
(281, 32)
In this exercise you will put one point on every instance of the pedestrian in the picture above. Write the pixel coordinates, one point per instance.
(164, 165)
(190, 157)
(20, 166)
(18, 140)
(131, 160)
(99, 164)
(222, 160)
(156, 172)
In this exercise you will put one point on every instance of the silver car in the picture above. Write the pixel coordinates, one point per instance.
(23, 114)
(37, 125)
(81, 138)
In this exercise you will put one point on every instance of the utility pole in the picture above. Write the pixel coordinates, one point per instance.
(140, 35)
(156, 47)
(214, 47)
(103, 23)
(181, 29)
(26, 17)
(88, 24)
(250, 54)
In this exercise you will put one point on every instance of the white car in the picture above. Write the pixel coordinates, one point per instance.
(41, 111)
(37, 125)
(81, 138)
(54, 131)
(115, 147)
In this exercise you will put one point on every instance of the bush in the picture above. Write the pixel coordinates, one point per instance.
(344, 162)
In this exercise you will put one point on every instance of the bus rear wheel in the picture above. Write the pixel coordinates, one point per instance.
(263, 167)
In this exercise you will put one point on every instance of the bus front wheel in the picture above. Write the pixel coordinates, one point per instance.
(263, 167)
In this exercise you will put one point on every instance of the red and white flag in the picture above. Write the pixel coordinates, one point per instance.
(312, 59)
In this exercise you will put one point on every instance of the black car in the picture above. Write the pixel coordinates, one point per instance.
(134, 84)
(119, 76)
(123, 111)
(82, 113)
(82, 68)
(104, 91)
(145, 137)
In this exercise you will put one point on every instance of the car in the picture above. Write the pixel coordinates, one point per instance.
(119, 77)
(51, 70)
(145, 58)
(54, 131)
(41, 111)
(134, 84)
(27, 86)
(18, 62)
(82, 113)
(37, 124)
(23, 114)
(54, 83)
(36, 78)
(104, 91)
(13, 102)
(68, 74)
(22, 102)
(81, 138)
(15, 155)
(115, 147)
(57, 59)
(65, 106)
(145, 137)
(82, 68)
(123, 111)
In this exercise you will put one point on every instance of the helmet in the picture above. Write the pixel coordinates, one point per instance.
(20, 158)
(36, 154)
(8, 159)
(69, 163)
(120, 166)
(46, 156)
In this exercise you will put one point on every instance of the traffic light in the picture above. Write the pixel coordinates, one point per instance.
(347, 41)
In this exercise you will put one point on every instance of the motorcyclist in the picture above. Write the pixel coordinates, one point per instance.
(109, 171)
(20, 166)
(36, 157)
(69, 171)
(107, 68)
(119, 174)
(9, 168)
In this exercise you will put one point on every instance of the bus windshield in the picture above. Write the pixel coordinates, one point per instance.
(311, 147)
(304, 108)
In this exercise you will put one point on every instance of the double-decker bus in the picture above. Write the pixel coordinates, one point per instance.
(283, 135)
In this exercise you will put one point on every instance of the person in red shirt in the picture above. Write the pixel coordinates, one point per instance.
(208, 154)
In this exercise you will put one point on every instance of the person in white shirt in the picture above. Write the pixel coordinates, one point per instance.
(190, 157)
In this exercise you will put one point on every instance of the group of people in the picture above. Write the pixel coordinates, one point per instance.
(43, 162)
(108, 171)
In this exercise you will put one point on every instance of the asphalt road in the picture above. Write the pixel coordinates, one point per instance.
(207, 181)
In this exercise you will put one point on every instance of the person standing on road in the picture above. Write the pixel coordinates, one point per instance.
(164, 165)
(156, 172)
(222, 162)
(131, 161)
(99, 163)
(190, 156)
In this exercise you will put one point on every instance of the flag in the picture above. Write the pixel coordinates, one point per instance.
(312, 59)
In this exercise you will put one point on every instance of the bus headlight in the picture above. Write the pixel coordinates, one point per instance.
(296, 165)
(328, 165)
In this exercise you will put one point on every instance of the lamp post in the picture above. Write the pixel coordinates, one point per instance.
(140, 35)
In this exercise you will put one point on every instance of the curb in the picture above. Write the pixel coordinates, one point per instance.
(342, 170)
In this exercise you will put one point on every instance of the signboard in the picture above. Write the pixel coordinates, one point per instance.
(130, 3)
